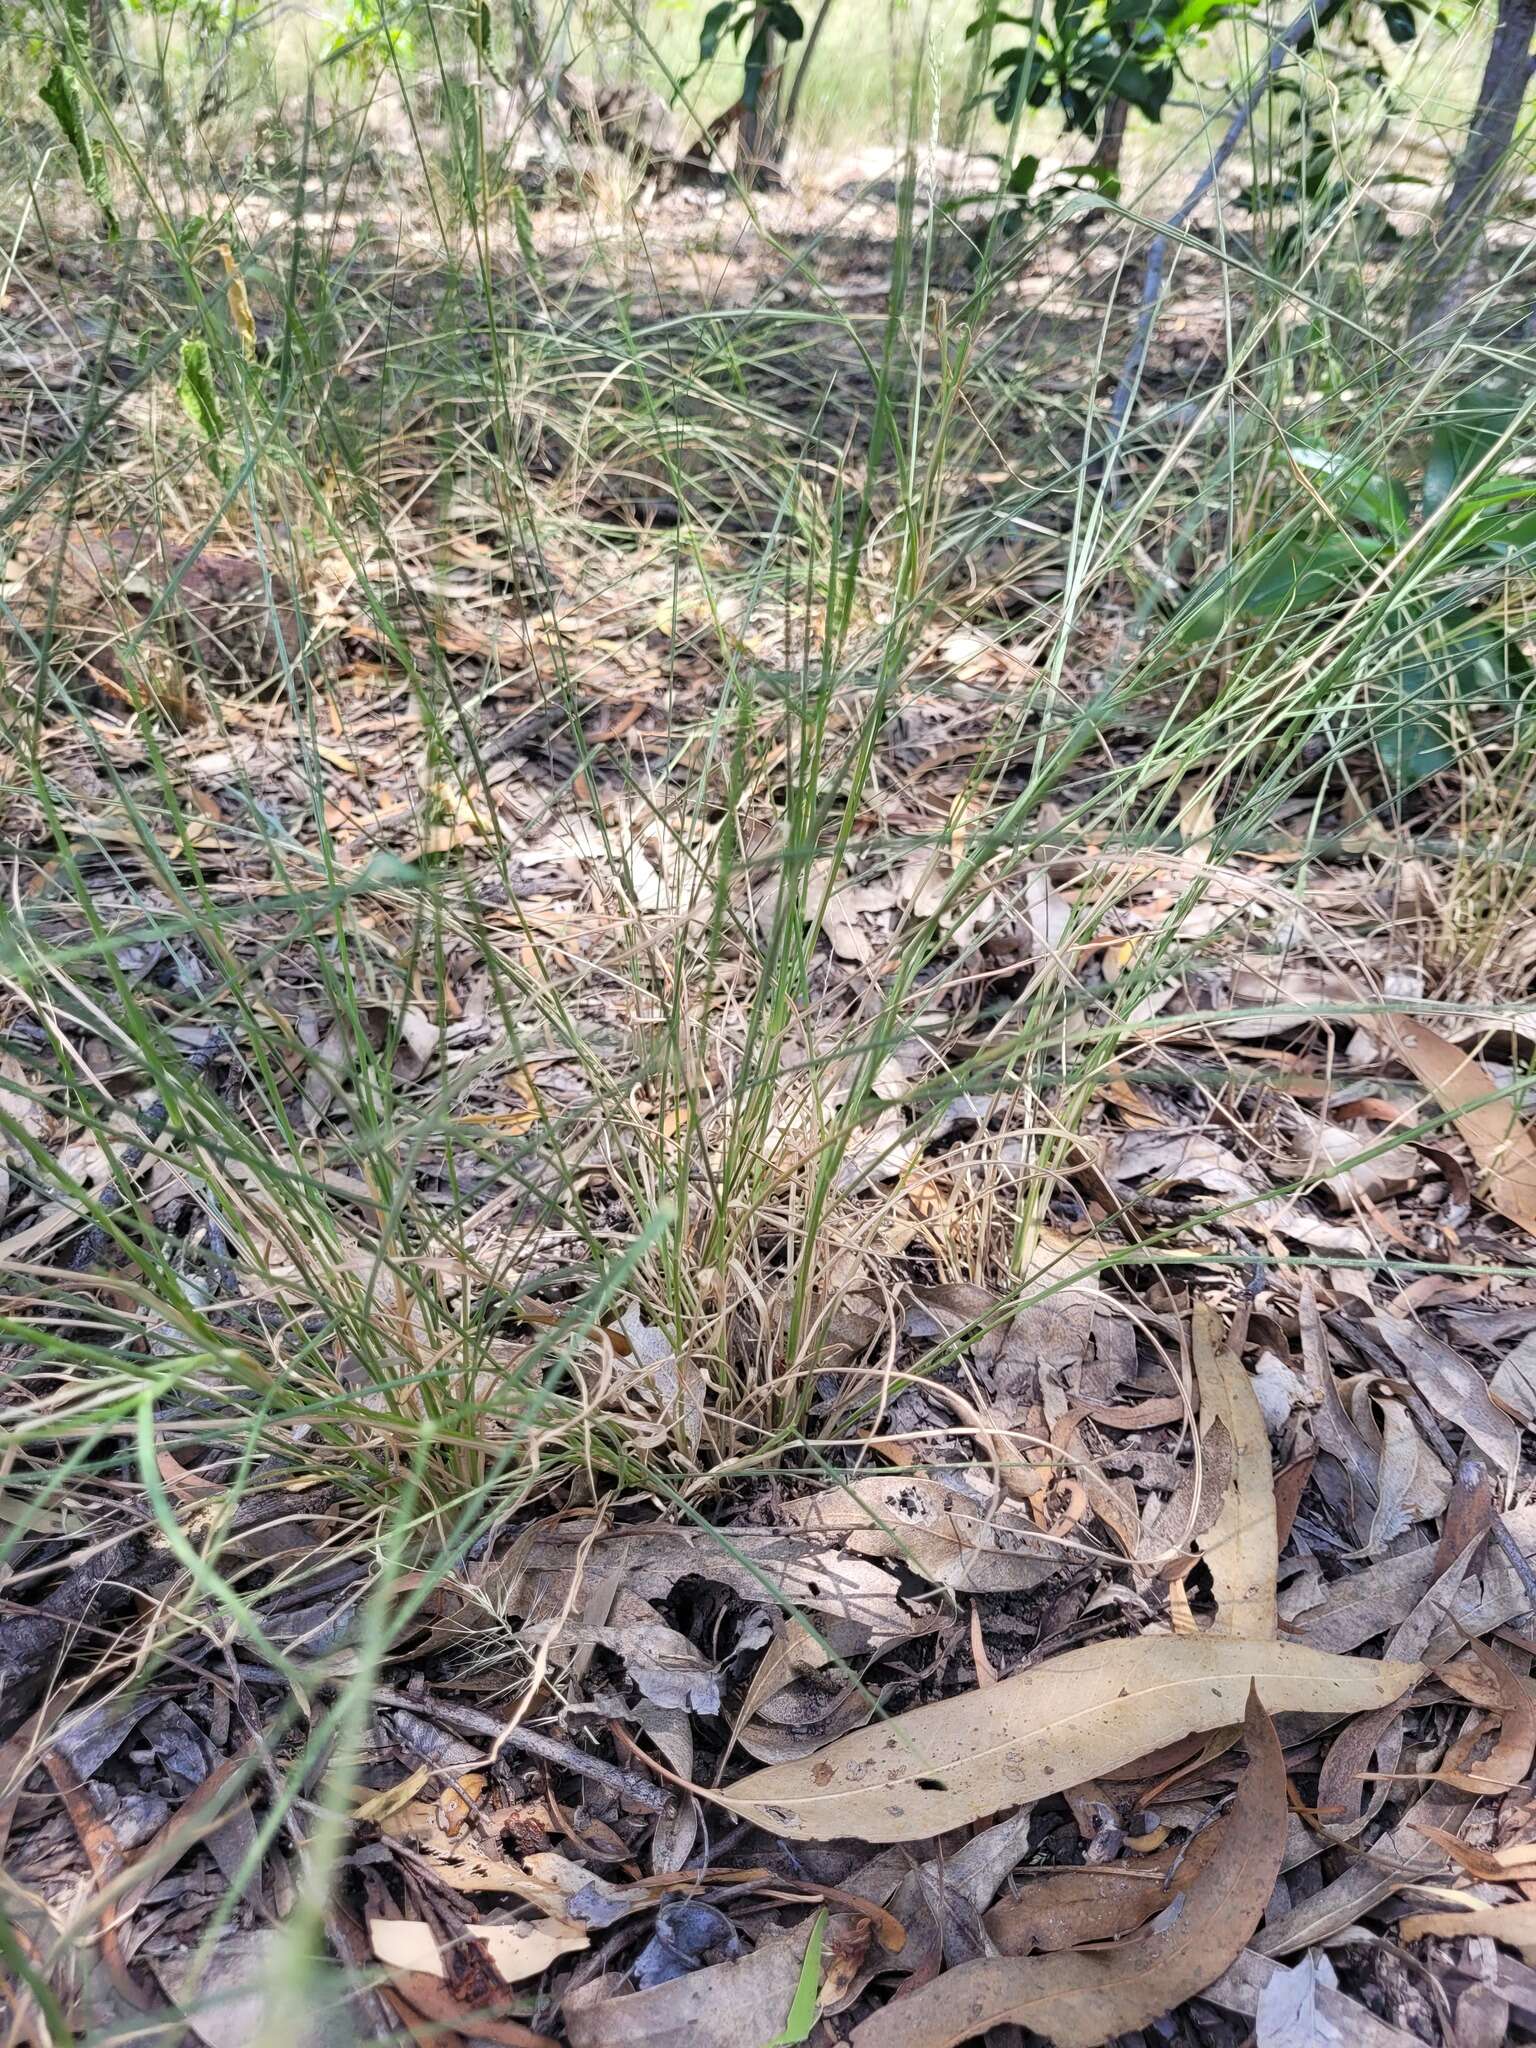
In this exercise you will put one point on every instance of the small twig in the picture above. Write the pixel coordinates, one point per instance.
(632, 1748)
(1157, 254)
(502, 1735)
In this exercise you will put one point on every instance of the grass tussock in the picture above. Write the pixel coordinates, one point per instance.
(633, 830)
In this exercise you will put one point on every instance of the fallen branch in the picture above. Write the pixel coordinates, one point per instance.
(500, 1735)
(1157, 255)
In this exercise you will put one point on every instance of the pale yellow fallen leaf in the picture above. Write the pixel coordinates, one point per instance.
(1241, 1550)
(1513, 1924)
(1496, 1137)
(517, 1952)
(958, 1760)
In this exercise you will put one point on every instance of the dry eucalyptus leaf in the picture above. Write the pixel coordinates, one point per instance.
(228, 1999)
(1084, 1997)
(1240, 1989)
(955, 1538)
(1399, 1859)
(1369, 1602)
(1045, 1730)
(662, 1664)
(1513, 1384)
(1455, 1389)
(726, 2005)
(1289, 2012)
(1241, 1549)
(673, 1385)
(1497, 1138)
(461, 1863)
(1513, 1924)
(1069, 1908)
(517, 1952)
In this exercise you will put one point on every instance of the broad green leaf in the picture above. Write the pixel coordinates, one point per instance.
(1356, 491)
(1414, 742)
(784, 19)
(990, 17)
(1477, 420)
(1498, 531)
(64, 95)
(714, 27)
(1195, 14)
(1146, 87)
(1283, 576)
(1485, 661)
(197, 392)
(1299, 573)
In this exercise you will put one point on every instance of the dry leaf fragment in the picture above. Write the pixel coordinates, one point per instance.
(1514, 1924)
(1240, 1988)
(395, 1798)
(956, 1538)
(1508, 1763)
(1366, 1603)
(1397, 1860)
(1044, 1730)
(726, 2005)
(661, 1662)
(517, 1952)
(1331, 1425)
(1513, 1384)
(1498, 1140)
(1289, 2012)
(671, 1384)
(234, 1996)
(1086, 1997)
(1455, 1389)
(1073, 1907)
(1242, 1549)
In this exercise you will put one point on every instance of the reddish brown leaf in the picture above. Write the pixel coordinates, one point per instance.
(1086, 1997)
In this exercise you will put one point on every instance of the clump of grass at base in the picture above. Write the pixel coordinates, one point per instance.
(465, 1142)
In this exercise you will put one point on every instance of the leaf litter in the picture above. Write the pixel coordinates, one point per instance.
(1107, 1647)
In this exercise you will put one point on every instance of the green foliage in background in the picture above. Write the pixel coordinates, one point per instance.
(1435, 548)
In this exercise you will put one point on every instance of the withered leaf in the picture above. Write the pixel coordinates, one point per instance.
(1496, 1137)
(516, 1952)
(1085, 1997)
(1041, 1731)
(722, 2006)
(1072, 1907)
(956, 1538)
(1514, 1924)
(1241, 1550)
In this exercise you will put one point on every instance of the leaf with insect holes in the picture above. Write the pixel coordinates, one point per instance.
(197, 392)
(64, 95)
(958, 1760)
(1084, 1997)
